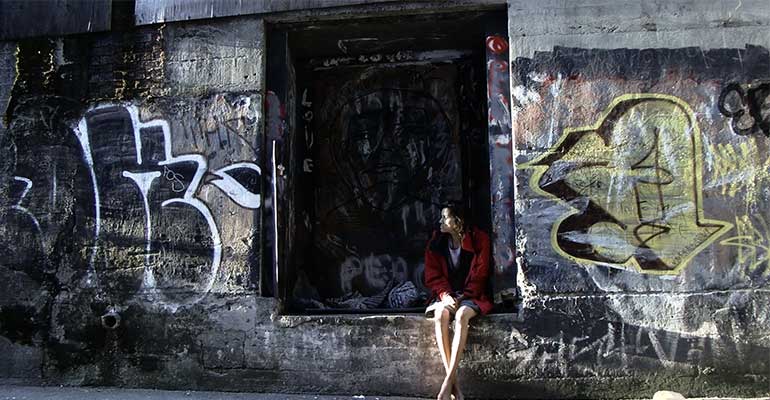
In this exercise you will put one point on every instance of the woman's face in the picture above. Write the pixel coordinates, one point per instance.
(450, 223)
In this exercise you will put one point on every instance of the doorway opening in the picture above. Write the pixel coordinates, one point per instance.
(387, 122)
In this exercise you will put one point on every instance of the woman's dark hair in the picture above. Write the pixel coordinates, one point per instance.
(459, 211)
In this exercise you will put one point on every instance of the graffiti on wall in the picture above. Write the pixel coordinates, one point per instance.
(747, 106)
(376, 272)
(501, 177)
(605, 348)
(633, 182)
(498, 83)
(19, 225)
(381, 154)
(392, 146)
(42, 163)
(131, 161)
(752, 242)
(557, 90)
(18, 191)
(141, 216)
(739, 169)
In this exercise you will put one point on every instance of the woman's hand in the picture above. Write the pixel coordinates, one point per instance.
(449, 302)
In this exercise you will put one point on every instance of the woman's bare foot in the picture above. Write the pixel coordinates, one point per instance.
(457, 394)
(445, 392)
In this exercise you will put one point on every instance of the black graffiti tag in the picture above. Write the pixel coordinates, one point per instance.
(747, 106)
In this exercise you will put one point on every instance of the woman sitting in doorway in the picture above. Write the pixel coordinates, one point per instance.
(456, 272)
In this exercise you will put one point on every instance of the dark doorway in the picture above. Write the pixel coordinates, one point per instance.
(390, 124)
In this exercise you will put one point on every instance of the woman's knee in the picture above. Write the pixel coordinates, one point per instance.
(464, 314)
(442, 316)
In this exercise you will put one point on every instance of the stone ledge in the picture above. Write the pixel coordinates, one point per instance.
(291, 321)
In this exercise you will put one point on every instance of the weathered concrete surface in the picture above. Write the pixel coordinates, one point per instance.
(7, 76)
(553, 17)
(601, 70)
(69, 393)
(219, 57)
(104, 393)
(153, 11)
(132, 177)
(24, 19)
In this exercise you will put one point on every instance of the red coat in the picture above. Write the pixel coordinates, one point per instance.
(437, 271)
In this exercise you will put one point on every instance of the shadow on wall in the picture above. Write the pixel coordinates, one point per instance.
(130, 160)
(141, 221)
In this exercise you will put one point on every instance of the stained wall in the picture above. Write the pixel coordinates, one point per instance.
(133, 189)
(640, 160)
(131, 186)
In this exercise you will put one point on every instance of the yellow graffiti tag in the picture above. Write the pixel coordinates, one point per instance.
(633, 184)
(753, 244)
(737, 168)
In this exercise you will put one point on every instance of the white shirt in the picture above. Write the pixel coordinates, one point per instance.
(454, 254)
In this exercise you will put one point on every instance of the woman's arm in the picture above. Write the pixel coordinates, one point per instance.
(435, 279)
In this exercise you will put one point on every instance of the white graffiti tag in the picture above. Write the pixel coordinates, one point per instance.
(152, 171)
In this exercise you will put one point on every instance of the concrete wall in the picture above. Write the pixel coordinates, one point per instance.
(642, 257)
(131, 186)
(640, 177)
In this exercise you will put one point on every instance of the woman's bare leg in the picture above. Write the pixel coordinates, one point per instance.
(463, 315)
(442, 340)
(442, 335)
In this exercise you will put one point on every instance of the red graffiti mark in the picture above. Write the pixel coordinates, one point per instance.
(276, 101)
(495, 81)
(498, 91)
(499, 65)
(497, 44)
